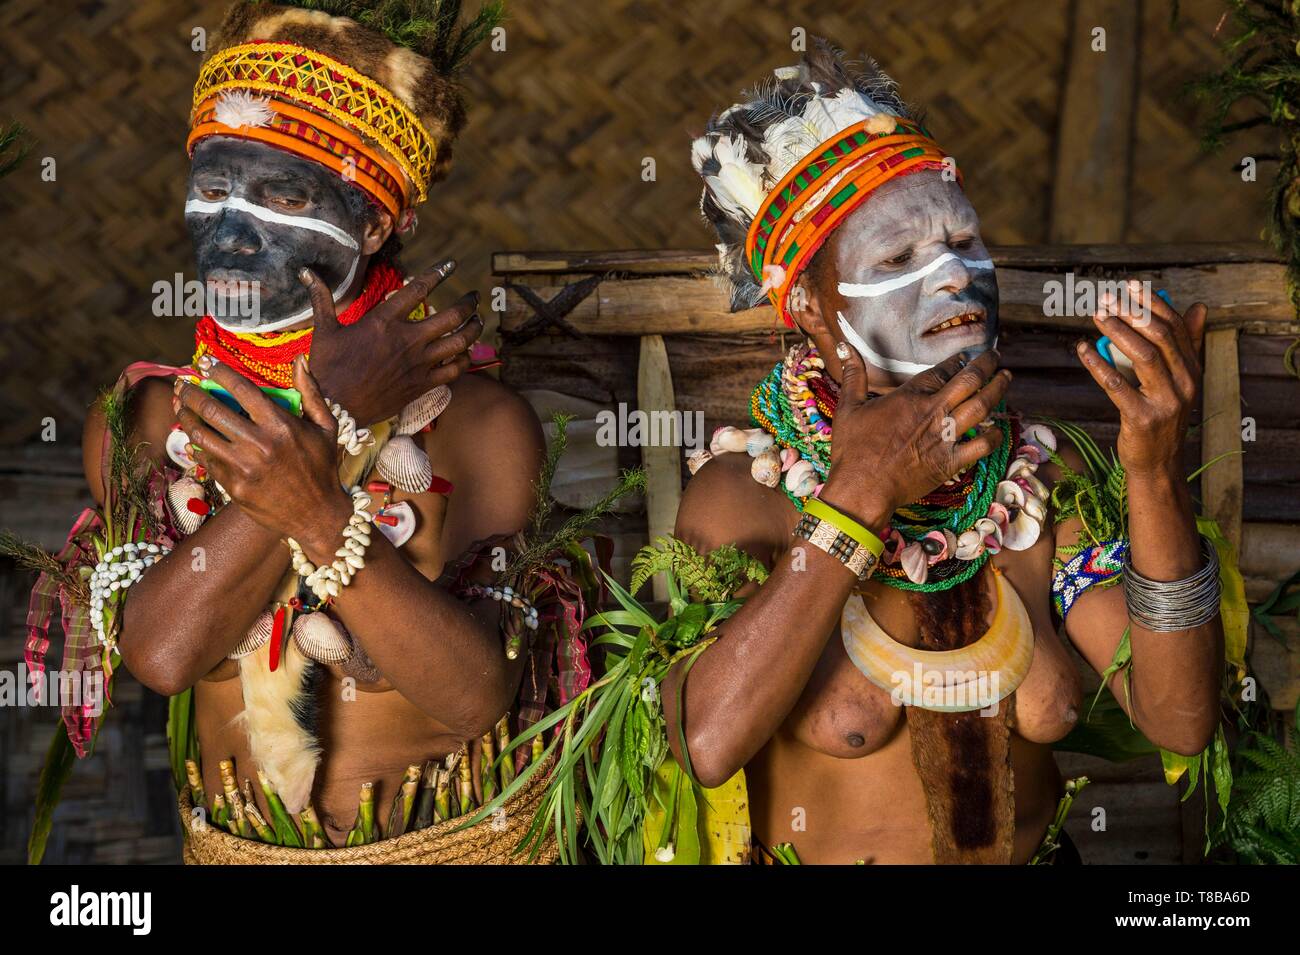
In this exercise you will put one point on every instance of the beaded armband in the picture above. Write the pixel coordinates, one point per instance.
(1097, 566)
(844, 548)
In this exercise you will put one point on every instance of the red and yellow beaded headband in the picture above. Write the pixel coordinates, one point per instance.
(323, 110)
(825, 186)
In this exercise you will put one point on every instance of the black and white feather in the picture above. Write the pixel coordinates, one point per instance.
(747, 148)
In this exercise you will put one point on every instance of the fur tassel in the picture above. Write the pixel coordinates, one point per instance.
(274, 704)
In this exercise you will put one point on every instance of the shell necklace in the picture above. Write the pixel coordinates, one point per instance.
(974, 677)
(932, 544)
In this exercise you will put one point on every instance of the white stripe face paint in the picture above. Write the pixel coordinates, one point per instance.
(876, 289)
(202, 207)
(874, 358)
(880, 361)
(270, 215)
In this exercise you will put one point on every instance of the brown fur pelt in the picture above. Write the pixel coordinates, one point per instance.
(435, 99)
(963, 759)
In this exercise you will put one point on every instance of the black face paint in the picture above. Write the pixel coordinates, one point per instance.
(239, 245)
(908, 261)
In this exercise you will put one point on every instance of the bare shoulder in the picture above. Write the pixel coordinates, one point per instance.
(723, 504)
(489, 444)
(485, 423)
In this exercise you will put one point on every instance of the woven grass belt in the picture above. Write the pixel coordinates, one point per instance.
(491, 842)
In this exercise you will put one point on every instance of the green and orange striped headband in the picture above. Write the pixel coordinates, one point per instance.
(823, 188)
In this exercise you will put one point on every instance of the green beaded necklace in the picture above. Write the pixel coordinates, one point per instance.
(795, 403)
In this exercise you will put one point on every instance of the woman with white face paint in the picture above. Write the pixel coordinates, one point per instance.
(893, 689)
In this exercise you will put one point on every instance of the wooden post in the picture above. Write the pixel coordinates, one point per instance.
(1094, 138)
(1222, 484)
(663, 491)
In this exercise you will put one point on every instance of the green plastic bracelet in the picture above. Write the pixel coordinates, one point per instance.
(845, 524)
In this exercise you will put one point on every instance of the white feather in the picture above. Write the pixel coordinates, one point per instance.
(738, 184)
(237, 108)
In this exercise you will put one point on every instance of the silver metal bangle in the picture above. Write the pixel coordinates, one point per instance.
(1170, 606)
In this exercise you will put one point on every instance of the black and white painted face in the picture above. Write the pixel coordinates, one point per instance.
(257, 214)
(909, 281)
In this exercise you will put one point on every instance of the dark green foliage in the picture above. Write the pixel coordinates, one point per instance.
(1263, 822)
(431, 28)
(14, 147)
(1262, 76)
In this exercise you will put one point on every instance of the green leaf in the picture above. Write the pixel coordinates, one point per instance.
(59, 760)
(182, 735)
(1107, 733)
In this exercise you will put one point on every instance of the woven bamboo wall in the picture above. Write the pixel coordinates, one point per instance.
(559, 126)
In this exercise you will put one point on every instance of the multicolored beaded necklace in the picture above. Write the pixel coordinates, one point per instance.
(795, 403)
(267, 359)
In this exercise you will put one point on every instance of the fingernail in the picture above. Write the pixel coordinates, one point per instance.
(303, 277)
(842, 351)
(447, 267)
(1081, 346)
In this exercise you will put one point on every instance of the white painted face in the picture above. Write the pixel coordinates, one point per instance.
(908, 278)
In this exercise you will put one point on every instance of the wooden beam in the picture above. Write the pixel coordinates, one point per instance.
(1249, 296)
(1094, 141)
(696, 261)
(1222, 485)
(662, 462)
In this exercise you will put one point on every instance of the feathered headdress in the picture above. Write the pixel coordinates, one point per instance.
(783, 168)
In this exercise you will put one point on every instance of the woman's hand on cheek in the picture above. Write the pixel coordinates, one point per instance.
(280, 470)
(378, 365)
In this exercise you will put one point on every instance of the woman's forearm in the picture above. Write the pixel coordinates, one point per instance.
(1175, 676)
(436, 650)
(190, 610)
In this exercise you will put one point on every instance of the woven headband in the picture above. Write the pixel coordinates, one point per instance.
(825, 186)
(350, 123)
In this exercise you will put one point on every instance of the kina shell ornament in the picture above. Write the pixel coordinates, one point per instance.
(321, 638)
(256, 638)
(403, 464)
(188, 517)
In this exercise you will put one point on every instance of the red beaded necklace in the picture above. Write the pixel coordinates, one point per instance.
(267, 359)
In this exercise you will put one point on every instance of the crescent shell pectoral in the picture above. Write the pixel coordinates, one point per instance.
(974, 677)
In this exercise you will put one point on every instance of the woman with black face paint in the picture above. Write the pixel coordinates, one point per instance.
(324, 455)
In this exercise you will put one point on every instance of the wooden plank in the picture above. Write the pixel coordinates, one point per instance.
(1276, 663)
(1094, 139)
(1060, 256)
(662, 461)
(1222, 485)
(1249, 296)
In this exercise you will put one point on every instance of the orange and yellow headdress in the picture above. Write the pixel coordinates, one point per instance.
(340, 93)
(782, 171)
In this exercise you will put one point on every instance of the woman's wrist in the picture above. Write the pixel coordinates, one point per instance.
(870, 510)
(322, 537)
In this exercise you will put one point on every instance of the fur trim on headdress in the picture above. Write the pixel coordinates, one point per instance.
(413, 48)
(748, 147)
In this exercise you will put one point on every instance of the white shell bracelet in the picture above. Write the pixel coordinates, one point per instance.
(121, 567)
(352, 439)
(328, 580)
